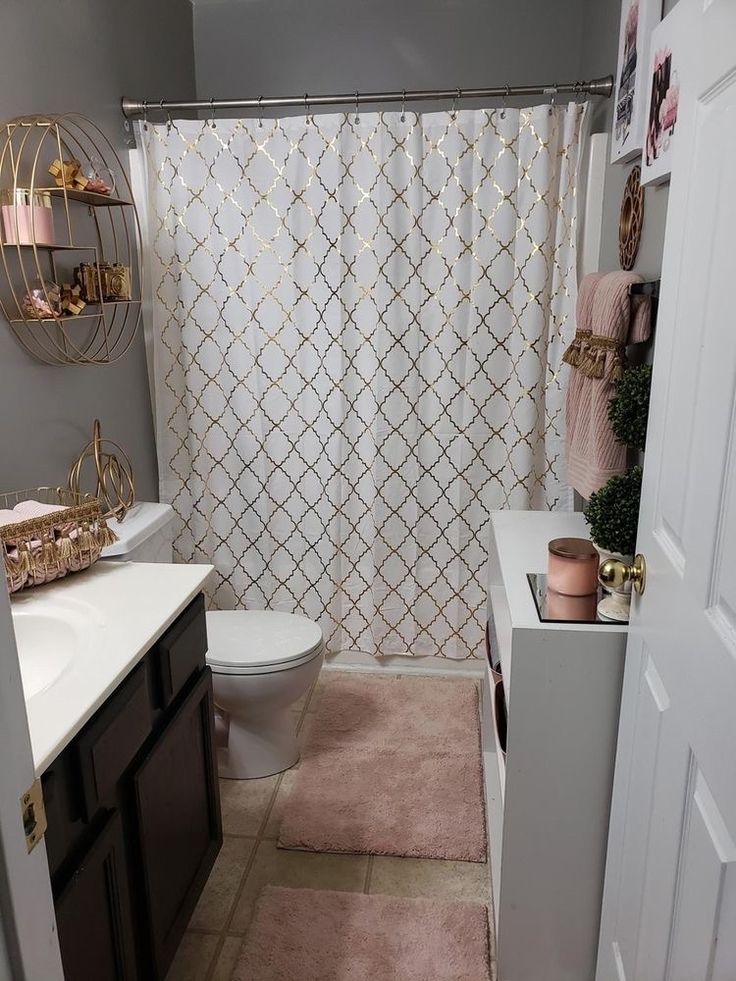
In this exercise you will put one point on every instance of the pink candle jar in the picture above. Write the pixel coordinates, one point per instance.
(572, 567)
(28, 217)
(571, 608)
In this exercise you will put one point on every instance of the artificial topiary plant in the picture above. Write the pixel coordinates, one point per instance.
(613, 513)
(628, 410)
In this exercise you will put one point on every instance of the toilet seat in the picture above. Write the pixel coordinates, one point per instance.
(248, 642)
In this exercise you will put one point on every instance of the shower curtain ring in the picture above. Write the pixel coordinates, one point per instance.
(357, 115)
(212, 113)
(552, 97)
(403, 106)
(455, 102)
(505, 100)
(260, 111)
(168, 116)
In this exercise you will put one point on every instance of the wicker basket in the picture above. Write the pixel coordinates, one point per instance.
(39, 549)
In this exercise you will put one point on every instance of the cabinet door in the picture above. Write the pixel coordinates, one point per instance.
(93, 913)
(181, 651)
(178, 813)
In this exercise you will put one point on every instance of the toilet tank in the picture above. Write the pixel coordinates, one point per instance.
(146, 534)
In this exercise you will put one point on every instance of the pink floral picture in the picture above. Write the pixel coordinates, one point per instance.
(627, 75)
(664, 98)
(638, 17)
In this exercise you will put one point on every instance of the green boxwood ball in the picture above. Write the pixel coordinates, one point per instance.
(628, 410)
(613, 513)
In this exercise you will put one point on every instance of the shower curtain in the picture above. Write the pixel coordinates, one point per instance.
(359, 325)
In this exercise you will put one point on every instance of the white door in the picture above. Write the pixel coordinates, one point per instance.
(669, 908)
(29, 947)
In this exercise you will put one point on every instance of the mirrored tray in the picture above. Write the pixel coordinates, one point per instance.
(554, 608)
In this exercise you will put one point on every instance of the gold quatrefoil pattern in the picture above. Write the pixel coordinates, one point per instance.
(358, 329)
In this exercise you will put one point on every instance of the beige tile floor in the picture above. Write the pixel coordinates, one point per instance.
(249, 859)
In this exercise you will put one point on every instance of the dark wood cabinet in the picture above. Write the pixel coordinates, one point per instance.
(179, 652)
(111, 740)
(178, 817)
(93, 912)
(133, 813)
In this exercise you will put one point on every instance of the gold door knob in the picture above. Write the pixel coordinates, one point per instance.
(613, 574)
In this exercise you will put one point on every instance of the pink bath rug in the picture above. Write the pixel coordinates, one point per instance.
(315, 935)
(392, 766)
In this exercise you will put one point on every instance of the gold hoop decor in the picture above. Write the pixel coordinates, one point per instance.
(115, 484)
(631, 220)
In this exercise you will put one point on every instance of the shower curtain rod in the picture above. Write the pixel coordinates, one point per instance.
(142, 107)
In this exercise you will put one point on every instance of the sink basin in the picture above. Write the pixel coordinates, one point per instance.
(46, 648)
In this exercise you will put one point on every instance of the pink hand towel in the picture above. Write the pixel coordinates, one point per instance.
(608, 319)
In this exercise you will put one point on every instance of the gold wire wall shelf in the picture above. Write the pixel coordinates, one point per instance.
(70, 241)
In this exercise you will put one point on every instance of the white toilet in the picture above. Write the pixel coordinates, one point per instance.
(262, 661)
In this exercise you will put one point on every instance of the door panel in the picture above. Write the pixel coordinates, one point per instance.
(708, 859)
(651, 707)
(669, 905)
(711, 520)
(178, 814)
(93, 913)
(672, 776)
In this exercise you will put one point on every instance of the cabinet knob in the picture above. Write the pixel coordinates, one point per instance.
(613, 574)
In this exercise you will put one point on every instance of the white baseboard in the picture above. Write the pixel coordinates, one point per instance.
(399, 664)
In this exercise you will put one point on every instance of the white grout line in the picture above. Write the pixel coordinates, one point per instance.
(368, 875)
(225, 932)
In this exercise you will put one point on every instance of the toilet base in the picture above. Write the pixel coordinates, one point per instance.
(270, 747)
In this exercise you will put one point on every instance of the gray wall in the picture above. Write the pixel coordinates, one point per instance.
(286, 47)
(599, 55)
(83, 55)
(5, 967)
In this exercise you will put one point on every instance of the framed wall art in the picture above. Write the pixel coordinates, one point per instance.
(638, 19)
(665, 76)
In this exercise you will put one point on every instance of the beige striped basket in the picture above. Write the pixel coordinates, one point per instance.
(40, 549)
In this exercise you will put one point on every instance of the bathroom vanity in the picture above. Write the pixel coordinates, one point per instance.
(130, 788)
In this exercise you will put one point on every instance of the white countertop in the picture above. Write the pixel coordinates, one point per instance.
(115, 612)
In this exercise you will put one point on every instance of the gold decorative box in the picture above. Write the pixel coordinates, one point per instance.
(111, 278)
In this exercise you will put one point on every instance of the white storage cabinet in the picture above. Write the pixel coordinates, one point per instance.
(548, 800)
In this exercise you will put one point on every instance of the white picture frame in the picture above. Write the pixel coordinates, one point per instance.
(638, 20)
(666, 72)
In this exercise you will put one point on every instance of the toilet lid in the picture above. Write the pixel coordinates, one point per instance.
(250, 640)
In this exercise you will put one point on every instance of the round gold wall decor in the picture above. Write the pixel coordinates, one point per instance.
(631, 219)
(70, 241)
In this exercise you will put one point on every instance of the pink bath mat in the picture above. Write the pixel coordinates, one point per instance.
(314, 935)
(392, 766)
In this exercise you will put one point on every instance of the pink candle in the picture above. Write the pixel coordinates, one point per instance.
(27, 217)
(575, 608)
(572, 566)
